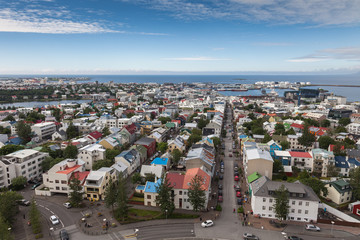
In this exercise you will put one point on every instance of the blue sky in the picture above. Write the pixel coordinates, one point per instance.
(179, 36)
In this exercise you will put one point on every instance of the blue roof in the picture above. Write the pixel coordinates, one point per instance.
(150, 187)
(160, 161)
(15, 141)
(354, 161)
(340, 162)
(140, 187)
(243, 136)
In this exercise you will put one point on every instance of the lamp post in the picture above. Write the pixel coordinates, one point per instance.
(332, 226)
(284, 234)
(166, 211)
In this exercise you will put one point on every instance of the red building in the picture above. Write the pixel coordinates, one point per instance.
(149, 144)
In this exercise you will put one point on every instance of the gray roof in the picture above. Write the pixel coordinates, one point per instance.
(145, 141)
(263, 187)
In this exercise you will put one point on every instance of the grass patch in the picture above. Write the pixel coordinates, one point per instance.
(144, 213)
(183, 216)
(137, 199)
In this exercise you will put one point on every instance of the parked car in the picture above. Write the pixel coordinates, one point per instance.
(237, 188)
(220, 186)
(236, 178)
(54, 220)
(230, 155)
(67, 205)
(238, 194)
(221, 177)
(207, 223)
(35, 185)
(239, 202)
(220, 193)
(249, 236)
(64, 235)
(23, 202)
(220, 198)
(311, 227)
(294, 238)
(221, 170)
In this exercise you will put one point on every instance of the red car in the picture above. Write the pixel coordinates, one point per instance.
(236, 178)
(238, 194)
(220, 199)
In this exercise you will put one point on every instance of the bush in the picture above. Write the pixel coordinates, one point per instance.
(240, 210)
(139, 195)
(218, 208)
(37, 236)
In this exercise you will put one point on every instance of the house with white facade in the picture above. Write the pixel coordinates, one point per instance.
(257, 160)
(130, 158)
(321, 160)
(44, 130)
(90, 154)
(339, 191)
(303, 202)
(150, 193)
(353, 128)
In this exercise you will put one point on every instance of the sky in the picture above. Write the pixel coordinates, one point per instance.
(179, 36)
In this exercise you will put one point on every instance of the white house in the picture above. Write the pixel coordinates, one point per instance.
(303, 202)
(90, 154)
(44, 130)
(130, 158)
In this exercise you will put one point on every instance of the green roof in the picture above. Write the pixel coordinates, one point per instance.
(341, 186)
(170, 125)
(253, 177)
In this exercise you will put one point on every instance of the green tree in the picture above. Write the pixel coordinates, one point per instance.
(325, 141)
(122, 207)
(165, 198)
(216, 142)
(325, 123)
(70, 151)
(102, 163)
(340, 129)
(291, 131)
(8, 206)
(194, 138)
(5, 234)
(355, 182)
(196, 131)
(76, 193)
(304, 174)
(150, 177)
(10, 149)
(72, 131)
(9, 118)
(332, 171)
(285, 145)
(202, 123)
(34, 215)
(24, 131)
(136, 178)
(281, 205)
(344, 121)
(307, 139)
(317, 185)
(49, 162)
(112, 153)
(164, 120)
(18, 183)
(266, 138)
(277, 166)
(196, 193)
(111, 195)
(176, 155)
(279, 129)
(162, 147)
(106, 131)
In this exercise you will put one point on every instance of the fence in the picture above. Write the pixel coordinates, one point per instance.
(338, 213)
(341, 223)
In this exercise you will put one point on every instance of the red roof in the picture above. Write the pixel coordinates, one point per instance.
(112, 100)
(131, 128)
(295, 125)
(176, 180)
(96, 135)
(69, 170)
(300, 154)
(331, 146)
(191, 173)
(81, 176)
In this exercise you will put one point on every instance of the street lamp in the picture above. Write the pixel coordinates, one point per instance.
(332, 226)
(166, 213)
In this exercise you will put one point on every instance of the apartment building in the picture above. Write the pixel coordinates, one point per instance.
(96, 183)
(321, 160)
(90, 154)
(353, 128)
(25, 163)
(256, 160)
(303, 202)
(339, 191)
(44, 130)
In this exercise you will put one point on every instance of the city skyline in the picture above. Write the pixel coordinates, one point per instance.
(179, 36)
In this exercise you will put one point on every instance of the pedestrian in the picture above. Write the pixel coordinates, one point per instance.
(24, 216)
(200, 219)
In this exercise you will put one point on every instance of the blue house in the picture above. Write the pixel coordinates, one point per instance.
(273, 147)
(162, 162)
(283, 156)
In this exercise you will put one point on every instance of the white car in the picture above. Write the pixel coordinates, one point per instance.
(67, 205)
(249, 236)
(311, 227)
(54, 220)
(207, 223)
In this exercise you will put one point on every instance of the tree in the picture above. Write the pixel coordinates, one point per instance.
(9, 118)
(196, 193)
(8, 206)
(24, 131)
(162, 147)
(307, 139)
(332, 171)
(18, 183)
(339, 149)
(136, 178)
(202, 123)
(72, 131)
(122, 207)
(165, 198)
(325, 141)
(5, 234)
(344, 121)
(76, 193)
(70, 151)
(112, 153)
(317, 185)
(216, 142)
(101, 163)
(277, 166)
(266, 138)
(340, 129)
(291, 131)
(355, 182)
(164, 120)
(176, 155)
(279, 129)
(110, 195)
(34, 215)
(150, 177)
(325, 123)
(285, 145)
(106, 131)
(281, 205)
(49, 162)
(10, 149)
(304, 174)
(194, 138)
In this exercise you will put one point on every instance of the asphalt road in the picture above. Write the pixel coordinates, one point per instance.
(166, 231)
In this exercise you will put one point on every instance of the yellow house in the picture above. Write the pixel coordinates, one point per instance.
(177, 143)
(109, 143)
(96, 183)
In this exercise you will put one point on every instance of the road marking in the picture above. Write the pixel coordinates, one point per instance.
(62, 224)
(131, 236)
(83, 214)
(47, 208)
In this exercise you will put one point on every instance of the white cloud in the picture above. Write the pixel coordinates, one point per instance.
(314, 12)
(345, 53)
(196, 59)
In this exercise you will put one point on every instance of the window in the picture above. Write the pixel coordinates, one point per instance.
(56, 181)
(180, 192)
(307, 204)
(299, 219)
(57, 188)
(263, 207)
(293, 202)
(306, 211)
(148, 196)
(299, 211)
(270, 208)
(300, 203)
(292, 210)
(264, 199)
(270, 200)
